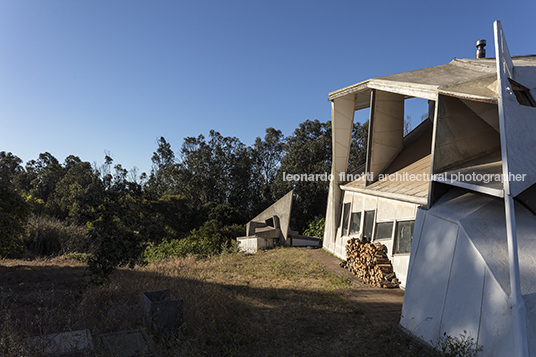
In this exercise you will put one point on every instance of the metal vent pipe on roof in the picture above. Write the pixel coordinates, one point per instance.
(481, 51)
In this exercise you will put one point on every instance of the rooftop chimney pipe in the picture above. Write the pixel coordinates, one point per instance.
(481, 51)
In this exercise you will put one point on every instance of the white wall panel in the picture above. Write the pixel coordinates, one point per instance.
(427, 287)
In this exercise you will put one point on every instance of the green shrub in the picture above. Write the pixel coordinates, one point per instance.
(81, 257)
(210, 239)
(113, 245)
(316, 228)
(13, 213)
(48, 236)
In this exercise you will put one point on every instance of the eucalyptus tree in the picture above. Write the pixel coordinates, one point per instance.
(219, 170)
(267, 153)
(46, 173)
(163, 171)
(10, 167)
(307, 154)
(13, 208)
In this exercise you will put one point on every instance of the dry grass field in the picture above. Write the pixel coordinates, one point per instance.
(274, 303)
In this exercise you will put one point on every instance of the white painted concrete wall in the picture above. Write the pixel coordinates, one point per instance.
(252, 244)
(461, 134)
(458, 279)
(387, 138)
(386, 210)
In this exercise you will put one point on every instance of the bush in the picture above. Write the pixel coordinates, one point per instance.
(210, 239)
(113, 245)
(48, 236)
(13, 213)
(463, 346)
(316, 228)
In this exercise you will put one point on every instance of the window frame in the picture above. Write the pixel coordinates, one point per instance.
(363, 230)
(396, 237)
(345, 217)
(359, 223)
(393, 226)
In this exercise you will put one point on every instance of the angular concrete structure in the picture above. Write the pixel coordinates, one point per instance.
(272, 227)
(454, 200)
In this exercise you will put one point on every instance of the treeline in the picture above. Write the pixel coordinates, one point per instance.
(210, 181)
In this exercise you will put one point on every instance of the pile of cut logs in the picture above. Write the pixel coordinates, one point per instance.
(370, 263)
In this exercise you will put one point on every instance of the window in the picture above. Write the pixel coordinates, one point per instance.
(345, 216)
(384, 230)
(368, 225)
(522, 94)
(355, 222)
(404, 234)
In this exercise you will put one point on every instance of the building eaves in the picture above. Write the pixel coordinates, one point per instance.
(463, 78)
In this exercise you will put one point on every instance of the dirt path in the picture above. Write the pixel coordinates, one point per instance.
(383, 306)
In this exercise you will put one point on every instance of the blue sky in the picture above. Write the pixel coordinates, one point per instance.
(94, 77)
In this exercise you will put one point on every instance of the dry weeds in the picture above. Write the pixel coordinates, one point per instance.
(274, 303)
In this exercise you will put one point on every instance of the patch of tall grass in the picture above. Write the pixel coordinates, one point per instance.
(46, 236)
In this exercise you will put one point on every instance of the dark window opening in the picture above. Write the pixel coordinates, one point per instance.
(355, 222)
(522, 94)
(345, 217)
(368, 226)
(384, 230)
(404, 235)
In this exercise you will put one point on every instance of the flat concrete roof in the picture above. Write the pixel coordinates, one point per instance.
(473, 79)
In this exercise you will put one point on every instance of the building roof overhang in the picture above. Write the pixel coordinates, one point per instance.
(472, 79)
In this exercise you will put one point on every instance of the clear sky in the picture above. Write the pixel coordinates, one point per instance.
(85, 77)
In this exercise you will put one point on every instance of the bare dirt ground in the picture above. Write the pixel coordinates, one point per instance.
(383, 306)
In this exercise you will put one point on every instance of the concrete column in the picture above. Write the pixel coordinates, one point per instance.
(342, 120)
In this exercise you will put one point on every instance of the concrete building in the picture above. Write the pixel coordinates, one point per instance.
(454, 200)
(271, 227)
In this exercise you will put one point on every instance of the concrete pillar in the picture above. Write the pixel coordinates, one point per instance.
(342, 120)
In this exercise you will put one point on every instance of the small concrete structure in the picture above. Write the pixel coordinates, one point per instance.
(163, 313)
(63, 343)
(454, 200)
(272, 227)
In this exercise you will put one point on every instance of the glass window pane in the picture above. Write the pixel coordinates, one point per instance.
(355, 222)
(368, 226)
(345, 217)
(384, 230)
(404, 235)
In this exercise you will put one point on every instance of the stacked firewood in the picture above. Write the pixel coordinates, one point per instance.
(370, 263)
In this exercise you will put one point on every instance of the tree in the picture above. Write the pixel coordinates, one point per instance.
(10, 167)
(113, 243)
(77, 193)
(168, 217)
(358, 146)
(307, 152)
(267, 155)
(13, 214)
(220, 171)
(46, 172)
(162, 178)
